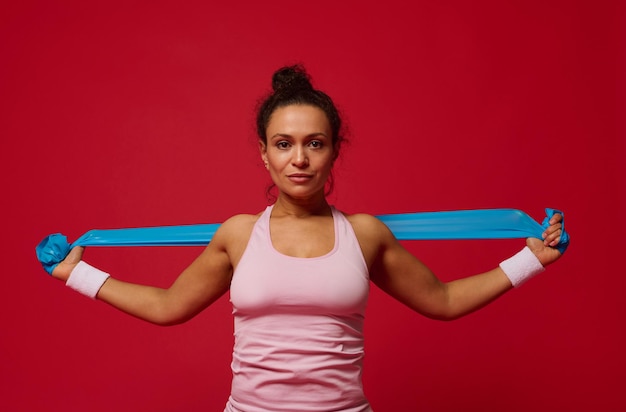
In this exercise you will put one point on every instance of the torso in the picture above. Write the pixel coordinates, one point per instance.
(299, 315)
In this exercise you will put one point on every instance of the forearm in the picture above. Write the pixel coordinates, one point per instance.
(144, 302)
(192, 291)
(149, 303)
(469, 294)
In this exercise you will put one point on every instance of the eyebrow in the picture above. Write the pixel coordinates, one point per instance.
(308, 135)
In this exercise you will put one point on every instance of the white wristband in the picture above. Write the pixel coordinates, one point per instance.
(86, 279)
(521, 267)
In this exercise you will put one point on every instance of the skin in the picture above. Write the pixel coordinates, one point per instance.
(299, 156)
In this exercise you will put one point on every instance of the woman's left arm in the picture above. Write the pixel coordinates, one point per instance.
(404, 277)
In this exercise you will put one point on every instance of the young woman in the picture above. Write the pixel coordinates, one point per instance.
(298, 272)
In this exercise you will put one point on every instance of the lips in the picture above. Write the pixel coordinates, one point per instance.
(299, 177)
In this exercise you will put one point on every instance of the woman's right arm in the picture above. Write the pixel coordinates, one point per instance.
(199, 285)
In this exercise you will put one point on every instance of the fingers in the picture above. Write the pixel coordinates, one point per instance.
(556, 218)
(62, 270)
(552, 235)
(75, 255)
(552, 239)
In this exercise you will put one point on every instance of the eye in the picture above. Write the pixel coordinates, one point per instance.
(282, 144)
(316, 144)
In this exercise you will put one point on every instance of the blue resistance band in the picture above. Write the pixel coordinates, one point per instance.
(449, 225)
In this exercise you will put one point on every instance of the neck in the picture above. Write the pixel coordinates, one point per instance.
(287, 206)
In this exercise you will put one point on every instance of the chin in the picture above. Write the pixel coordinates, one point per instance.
(304, 194)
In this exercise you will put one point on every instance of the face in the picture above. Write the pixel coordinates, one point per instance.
(299, 153)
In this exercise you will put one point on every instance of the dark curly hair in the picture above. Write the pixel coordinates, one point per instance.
(292, 85)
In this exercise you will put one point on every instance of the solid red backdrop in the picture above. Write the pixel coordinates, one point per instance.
(125, 114)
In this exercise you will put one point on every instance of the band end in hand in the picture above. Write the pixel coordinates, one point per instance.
(565, 239)
(52, 250)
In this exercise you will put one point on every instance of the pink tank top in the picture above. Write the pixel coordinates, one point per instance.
(299, 326)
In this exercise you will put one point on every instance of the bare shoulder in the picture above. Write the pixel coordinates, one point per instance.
(372, 234)
(240, 221)
(232, 237)
(236, 228)
(368, 226)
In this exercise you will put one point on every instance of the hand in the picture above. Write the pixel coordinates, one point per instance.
(545, 249)
(63, 269)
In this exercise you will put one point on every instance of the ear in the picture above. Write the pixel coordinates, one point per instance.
(263, 151)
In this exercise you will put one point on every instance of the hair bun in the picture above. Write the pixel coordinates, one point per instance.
(291, 78)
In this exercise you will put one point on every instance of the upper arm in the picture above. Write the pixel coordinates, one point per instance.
(208, 277)
(396, 271)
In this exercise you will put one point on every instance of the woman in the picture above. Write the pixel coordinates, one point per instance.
(299, 272)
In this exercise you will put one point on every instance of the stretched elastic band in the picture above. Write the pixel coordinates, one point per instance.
(449, 225)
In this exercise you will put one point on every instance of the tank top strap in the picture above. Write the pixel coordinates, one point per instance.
(264, 221)
(346, 239)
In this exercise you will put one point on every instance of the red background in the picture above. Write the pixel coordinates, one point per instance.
(136, 113)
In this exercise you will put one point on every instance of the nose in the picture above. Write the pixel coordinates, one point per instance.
(300, 158)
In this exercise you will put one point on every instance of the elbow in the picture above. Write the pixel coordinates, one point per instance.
(169, 318)
(445, 308)
(164, 315)
(167, 321)
(444, 315)
(159, 320)
(448, 312)
(448, 305)
(175, 312)
(448, 317)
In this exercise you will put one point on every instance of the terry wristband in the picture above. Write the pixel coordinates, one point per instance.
(86, 279)
(521, 267)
